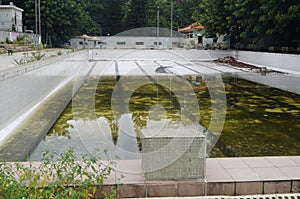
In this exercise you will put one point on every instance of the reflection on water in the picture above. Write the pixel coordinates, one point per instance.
(260, 120)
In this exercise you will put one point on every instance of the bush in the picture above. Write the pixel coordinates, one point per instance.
(59, 53)
(57, 176)
(38, 55)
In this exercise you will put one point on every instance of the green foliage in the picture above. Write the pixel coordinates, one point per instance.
(276, 19)
(57, 176)
(37, 56)
(64, 19)
(20, 61)
(59, 53)
(61, 19)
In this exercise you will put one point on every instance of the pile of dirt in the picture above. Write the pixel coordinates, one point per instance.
(229, 60)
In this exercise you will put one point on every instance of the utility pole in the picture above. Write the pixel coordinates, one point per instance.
(36, 17)
(172, 10)
(40, 27)
(157, 32)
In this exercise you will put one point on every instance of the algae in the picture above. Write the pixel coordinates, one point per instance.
(260, 120)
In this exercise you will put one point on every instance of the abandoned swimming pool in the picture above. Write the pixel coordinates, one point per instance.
(260, 120)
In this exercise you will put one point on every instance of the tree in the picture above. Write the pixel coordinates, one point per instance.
(60, 19)
(183, 12)
(280, 20)
(112, 17)
(212, 14)
(256, 19)
(134, 14)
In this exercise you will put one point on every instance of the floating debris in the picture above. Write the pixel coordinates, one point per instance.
(162, 69)
(233, 62)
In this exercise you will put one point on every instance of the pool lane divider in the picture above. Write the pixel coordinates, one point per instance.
(33, 125)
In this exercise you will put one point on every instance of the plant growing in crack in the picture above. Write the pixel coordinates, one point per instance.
(37, 56)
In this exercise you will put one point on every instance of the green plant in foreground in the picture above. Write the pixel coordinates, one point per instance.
(20, 61)
(59, 53)
(37, 55)
(57, 176)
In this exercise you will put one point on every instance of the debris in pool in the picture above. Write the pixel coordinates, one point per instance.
(162, 69)
(229, 60)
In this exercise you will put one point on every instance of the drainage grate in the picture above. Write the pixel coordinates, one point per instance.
(274, 196)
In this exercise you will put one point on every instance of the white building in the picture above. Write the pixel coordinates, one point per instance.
(123, 42)
(11, 18)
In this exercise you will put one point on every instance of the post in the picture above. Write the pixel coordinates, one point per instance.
(157, 33)
(36, 17)
(172, 9)
(40, 28)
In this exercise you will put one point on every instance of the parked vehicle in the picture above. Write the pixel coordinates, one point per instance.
(223, 42)
(209, 42)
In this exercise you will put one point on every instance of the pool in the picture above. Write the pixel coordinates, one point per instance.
(260, 120)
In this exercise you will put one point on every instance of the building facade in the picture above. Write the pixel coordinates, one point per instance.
(123, 42)
(11, 18)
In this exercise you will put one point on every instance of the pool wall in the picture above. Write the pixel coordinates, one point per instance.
(36, 117)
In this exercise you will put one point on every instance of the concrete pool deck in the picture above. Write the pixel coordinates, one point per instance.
(224, 176)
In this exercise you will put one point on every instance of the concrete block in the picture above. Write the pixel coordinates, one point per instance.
(295, 187)
(277, 187)
(132, 191)
(223, 188)
(191, 188)
(167, 156)
(161, 190)
(248, 188)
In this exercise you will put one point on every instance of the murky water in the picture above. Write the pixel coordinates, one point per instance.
(260, 121)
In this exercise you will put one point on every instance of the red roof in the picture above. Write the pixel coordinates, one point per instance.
(195, 26)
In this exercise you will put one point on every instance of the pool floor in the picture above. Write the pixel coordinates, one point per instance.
(259, 120)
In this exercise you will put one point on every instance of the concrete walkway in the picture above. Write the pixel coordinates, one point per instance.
(224, 176)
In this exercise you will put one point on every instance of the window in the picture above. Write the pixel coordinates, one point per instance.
(121, 43)
(155, 43)
(139, 43)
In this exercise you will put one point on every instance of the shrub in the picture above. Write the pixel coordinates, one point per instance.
(59, 53)
(38, 55)
(57, 176)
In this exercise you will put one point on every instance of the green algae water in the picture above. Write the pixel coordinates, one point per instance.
(260, 120)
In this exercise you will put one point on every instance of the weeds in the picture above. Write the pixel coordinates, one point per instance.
(57, 176)
(38, 55)
(59, 53)
(35, 56)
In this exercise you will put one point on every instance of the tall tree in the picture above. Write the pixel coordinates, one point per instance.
(60, 19)
(280, 20)
(112, 17)
(134, 14)
(212, 14)
(276, 19)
